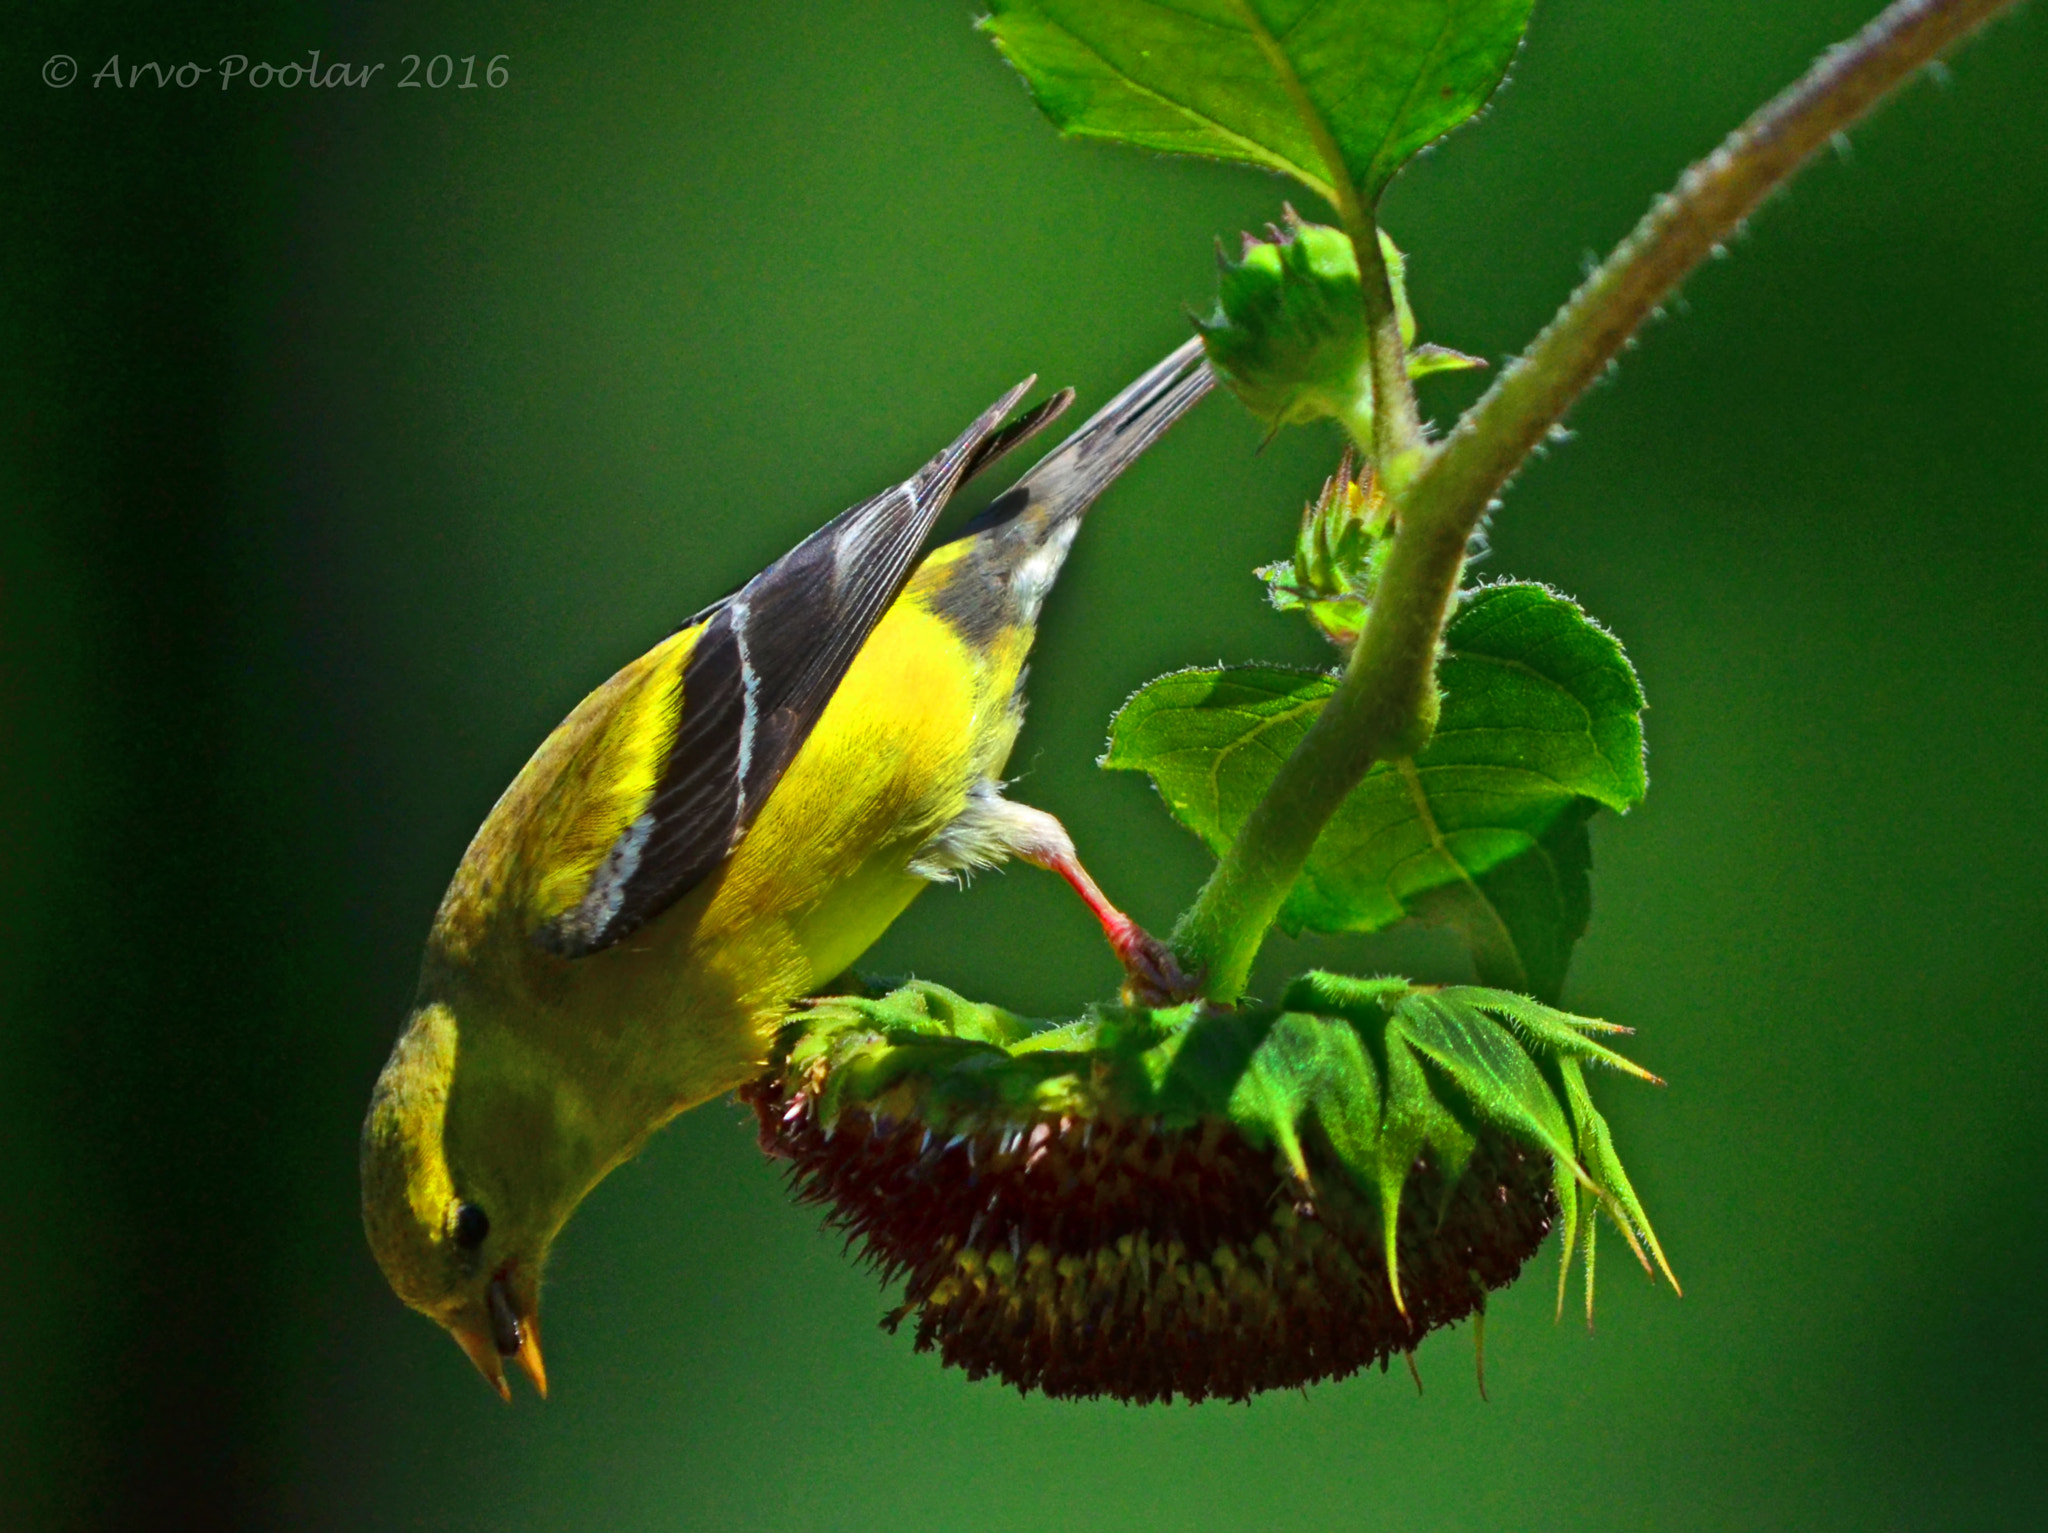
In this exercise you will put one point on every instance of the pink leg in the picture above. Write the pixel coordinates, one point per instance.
(1152, 978)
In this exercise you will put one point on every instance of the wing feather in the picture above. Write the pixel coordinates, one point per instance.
(764, 665)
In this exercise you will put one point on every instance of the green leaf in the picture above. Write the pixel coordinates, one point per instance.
(1540, 724)
(1521, 920)
(1278, 83)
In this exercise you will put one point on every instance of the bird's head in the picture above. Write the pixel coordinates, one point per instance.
(462, 1194)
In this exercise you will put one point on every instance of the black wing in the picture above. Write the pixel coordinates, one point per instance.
(767, 662)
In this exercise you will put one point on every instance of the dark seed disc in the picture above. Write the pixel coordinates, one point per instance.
(1114, 1256)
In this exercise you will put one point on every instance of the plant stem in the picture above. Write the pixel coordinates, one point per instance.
(1676, 235)
(1390, 677)
(1397, 444)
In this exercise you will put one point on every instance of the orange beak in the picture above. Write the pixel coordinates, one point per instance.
(528, 1355)
(509, 1334)
(478, 1348)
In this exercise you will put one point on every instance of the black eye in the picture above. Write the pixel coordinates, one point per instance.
(472, 1226)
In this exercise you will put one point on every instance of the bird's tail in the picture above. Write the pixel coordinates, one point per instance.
(1067, 480)
(1026, 531)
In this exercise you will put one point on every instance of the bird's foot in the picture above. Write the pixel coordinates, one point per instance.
(1152, 976)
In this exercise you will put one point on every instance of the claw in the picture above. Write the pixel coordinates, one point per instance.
(1152, 976)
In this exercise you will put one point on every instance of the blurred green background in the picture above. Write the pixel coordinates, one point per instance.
(350, 437)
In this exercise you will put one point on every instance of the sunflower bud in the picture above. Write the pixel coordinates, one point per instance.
(1335, 569)
(1289, 335)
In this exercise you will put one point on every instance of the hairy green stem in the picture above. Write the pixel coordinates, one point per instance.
(1679, 232)
(1397, 444)
(1391, 675)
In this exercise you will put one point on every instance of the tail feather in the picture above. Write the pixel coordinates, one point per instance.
(1069, 478)
(1025, 427)
(1021, 540)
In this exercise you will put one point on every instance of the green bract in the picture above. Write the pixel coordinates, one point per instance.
(1540, 723)
(1191, 1201)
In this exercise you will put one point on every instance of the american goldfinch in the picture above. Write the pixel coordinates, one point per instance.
(721, 828)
